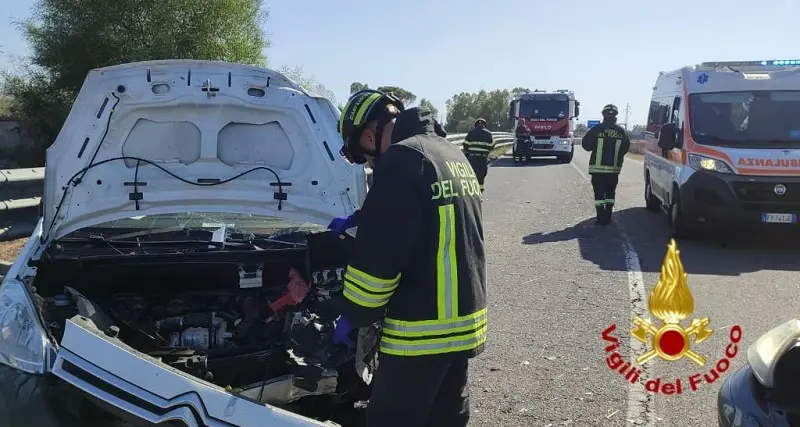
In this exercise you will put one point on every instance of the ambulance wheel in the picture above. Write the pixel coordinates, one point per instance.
(677, 220)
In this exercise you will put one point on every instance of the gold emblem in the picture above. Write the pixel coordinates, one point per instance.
(671, 302)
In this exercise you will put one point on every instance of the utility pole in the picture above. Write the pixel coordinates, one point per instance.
(627, 114)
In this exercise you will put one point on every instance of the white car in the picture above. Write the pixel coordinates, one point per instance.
(179, 195)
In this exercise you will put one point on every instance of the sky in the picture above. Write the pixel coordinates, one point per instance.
(605, 51)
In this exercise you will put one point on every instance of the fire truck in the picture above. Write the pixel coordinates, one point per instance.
(550, 117)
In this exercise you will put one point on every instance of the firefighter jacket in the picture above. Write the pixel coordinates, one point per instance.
(478, 142)
(418, 258)
(608, 143)
(522, 133)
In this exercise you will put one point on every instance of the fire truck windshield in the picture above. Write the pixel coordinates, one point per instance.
(751, 118)
(544, 109)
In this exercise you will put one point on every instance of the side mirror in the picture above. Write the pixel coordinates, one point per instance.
(667, 136)
(577, 110)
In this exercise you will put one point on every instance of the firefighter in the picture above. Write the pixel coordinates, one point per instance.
(608, 143)
(522, 132)
(417, 264)
(477, 146)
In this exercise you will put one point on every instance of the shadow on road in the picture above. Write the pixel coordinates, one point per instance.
(648, 232)
(600, 245)
(508, 162)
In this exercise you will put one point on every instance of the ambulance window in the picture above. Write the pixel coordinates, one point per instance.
(658, 115)
(676, 108)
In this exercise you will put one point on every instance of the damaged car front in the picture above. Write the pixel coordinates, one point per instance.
(181, 273)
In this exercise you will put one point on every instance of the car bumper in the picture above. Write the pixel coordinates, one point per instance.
(135, 388)
(728, 199)
(740, 403)
(542, 148)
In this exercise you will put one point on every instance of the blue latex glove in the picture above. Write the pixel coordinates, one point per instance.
(340, 224)
(341, 331)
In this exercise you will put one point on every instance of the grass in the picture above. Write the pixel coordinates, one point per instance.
(499, 152)
(9, 250)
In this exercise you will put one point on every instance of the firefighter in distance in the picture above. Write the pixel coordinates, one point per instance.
(608, 143)
(477, 146)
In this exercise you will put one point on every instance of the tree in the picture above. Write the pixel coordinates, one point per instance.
(519, 90)
(308, 83)
(68, 38)
(637, 132)
(407, 97)
(581, 128)
(5, 107)
(463, 109)
(357, 87)
(429, 105)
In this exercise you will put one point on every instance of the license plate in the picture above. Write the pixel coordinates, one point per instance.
(779, 218)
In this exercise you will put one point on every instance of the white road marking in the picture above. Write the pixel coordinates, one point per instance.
(640, 410)
(582, 173)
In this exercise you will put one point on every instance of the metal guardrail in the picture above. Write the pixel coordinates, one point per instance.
(501, 139)
(20, 188)
(20, 195)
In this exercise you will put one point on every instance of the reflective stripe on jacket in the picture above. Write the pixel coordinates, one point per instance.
(479, 141)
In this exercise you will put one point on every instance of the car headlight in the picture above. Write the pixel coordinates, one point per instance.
(698, 162)
(23, 343)
(764, 354)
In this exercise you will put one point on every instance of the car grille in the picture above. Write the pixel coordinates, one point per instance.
(764, 192)
(542, 146)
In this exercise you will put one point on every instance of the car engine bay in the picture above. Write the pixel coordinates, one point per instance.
(258, 323)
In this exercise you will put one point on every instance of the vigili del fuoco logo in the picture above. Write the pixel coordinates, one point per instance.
(671, 302)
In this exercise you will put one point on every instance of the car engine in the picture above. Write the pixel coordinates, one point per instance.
(270, 342)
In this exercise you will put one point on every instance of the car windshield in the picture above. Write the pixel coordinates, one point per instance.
(769, 119)
(544, 109)
(152, 224)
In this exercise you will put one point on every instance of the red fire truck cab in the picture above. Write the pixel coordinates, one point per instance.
(550, 117)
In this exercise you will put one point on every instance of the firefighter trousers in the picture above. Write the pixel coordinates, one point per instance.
(480, 164)
(419, 391)
(605, 190)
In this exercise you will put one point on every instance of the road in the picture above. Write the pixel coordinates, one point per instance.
(556, 281)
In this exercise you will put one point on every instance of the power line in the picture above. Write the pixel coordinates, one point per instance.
(627, 114)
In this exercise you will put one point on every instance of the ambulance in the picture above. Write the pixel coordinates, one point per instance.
(723, 145)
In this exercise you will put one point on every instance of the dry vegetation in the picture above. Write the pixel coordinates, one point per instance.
(10, 249)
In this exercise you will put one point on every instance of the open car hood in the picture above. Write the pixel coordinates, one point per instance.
(177, 136)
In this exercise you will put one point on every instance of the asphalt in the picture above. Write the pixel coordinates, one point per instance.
(556, 281)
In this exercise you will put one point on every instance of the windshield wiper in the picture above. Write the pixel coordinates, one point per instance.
(773, 143)
(720, 141)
